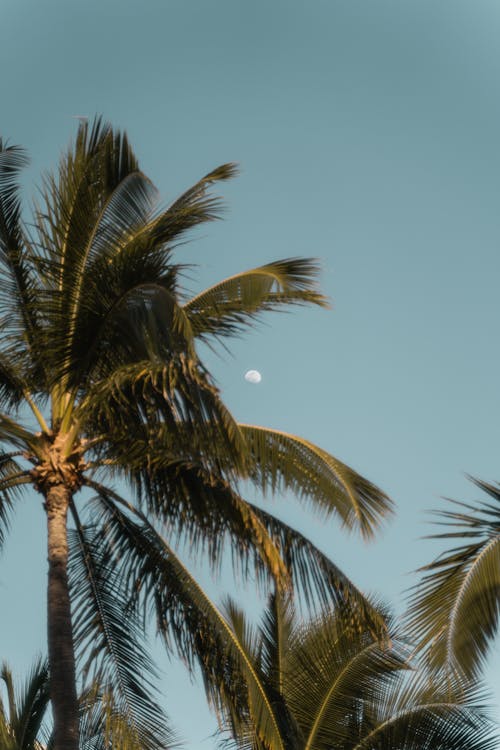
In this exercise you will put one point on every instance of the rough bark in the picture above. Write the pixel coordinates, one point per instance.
(60, 633)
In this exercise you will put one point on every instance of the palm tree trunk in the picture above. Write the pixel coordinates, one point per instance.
(60, 634)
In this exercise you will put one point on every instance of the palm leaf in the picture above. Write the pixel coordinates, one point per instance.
(109, 639)
(233, 304)
(18, 290)
(286, 462)
(455, 609)
(186, 617)
(27, 709)
(319, 582)
(333, 673)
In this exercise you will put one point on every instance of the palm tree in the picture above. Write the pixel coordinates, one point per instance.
(454, 609)
(326, 684)
(101, 383)
(22, 720)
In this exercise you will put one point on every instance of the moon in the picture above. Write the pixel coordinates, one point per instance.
(253, 376)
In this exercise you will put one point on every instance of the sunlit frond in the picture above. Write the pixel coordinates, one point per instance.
(232, 305)
(340, 688)
(287, 462)
(454, 611)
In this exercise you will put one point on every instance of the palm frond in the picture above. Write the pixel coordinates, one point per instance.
(28, 708)
(454, 610)
(110, 640)
(138, 403)
(427, 713)
(203, 510)
(18, 314)
(319, 582)
(286, 462)
(232, 305)
(332, 673)
(186, 617)
(104, 724)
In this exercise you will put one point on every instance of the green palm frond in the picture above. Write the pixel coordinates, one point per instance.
(186, 618)
(333, 673)
(320, 583)
(341, 688)
(104, 723)
(138, 403)
(23, 728)
(454, 610)
(424, 712)
(287, 462)
(110, 640)
(232, 305)
(207, 513)
(18, 314)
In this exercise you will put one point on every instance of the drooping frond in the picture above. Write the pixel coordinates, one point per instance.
(232, 305)
(455, 609)
(109, 638)
(286, 462)
(319, 582)
(186, 617)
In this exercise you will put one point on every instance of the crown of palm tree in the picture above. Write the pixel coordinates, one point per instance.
(98, 347)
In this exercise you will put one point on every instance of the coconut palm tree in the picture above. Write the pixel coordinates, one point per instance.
(102, 389)
(22, 719)
(454, 609)
(325, 684)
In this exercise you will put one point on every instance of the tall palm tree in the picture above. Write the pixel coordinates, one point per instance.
(22, 718)
(326, 684)
(454, 609)
(100, 382)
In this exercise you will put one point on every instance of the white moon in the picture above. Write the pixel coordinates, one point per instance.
(253, 376)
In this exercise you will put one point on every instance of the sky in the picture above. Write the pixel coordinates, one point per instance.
(367, 134)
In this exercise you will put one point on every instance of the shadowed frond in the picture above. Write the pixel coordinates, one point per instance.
(186, 618)
(105, 724)
(138, 403)
(286, 462)
(110, 640)
(232, 305)
(23, 728)
(18, 315)
(455, 609)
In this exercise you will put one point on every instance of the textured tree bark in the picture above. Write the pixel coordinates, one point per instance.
(60, 633)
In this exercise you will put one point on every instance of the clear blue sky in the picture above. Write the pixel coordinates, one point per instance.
(368, 134)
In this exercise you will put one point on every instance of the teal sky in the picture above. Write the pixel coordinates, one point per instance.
(368, 135)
